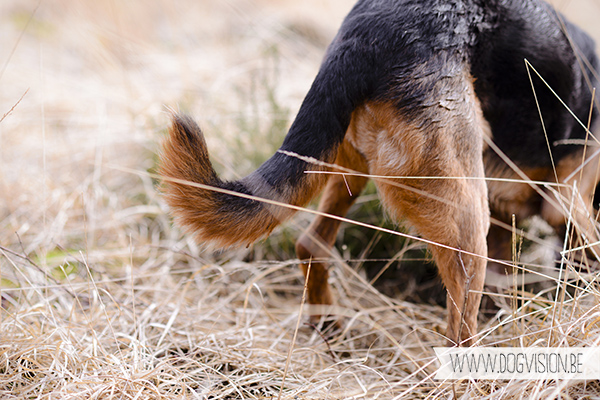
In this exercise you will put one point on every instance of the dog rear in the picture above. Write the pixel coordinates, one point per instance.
(224, 219)
(402, 92)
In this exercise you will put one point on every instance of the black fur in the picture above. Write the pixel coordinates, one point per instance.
(385, 46)
(532, 30)
(346, 78)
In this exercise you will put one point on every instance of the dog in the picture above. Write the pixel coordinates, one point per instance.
(434, 97)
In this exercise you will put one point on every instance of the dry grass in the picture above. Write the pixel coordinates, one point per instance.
(103, 298)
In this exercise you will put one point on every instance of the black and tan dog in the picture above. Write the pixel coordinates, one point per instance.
(437, 89)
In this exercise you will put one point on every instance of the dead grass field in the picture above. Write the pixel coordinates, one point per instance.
(102, 298)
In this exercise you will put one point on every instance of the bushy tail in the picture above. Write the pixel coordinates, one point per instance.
(224, 219)
(219, 218)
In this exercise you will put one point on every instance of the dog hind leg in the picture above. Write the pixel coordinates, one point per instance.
(314, 246)
(451, 210)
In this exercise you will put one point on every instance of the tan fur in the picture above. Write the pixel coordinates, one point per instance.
(522, 200)
(185, 162)
(579, 202)
(452, 212)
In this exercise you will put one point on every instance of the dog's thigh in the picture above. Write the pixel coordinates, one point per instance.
(449, 206)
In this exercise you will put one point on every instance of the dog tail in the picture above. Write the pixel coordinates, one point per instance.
(223, 219)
